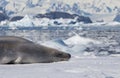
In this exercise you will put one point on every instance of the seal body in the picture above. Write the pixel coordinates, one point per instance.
(17, 50)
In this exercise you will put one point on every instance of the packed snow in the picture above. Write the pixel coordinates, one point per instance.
(83, 67)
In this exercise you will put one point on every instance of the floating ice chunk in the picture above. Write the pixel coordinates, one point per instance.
(25, 22)
(113, 23)
(80, 40)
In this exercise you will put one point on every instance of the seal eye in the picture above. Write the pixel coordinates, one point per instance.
(59, 55)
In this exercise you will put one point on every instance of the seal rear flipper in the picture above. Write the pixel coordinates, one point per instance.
(14, 61)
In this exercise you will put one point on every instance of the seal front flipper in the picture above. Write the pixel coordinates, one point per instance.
(18, 60)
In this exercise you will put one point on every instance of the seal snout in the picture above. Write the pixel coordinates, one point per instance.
(63, 55)
(66, 56)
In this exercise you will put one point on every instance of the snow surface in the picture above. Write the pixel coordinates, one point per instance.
(82, 67)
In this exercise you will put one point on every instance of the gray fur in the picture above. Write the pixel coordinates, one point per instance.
(16, 50)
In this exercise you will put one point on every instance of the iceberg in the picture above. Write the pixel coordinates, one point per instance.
(25, 22)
